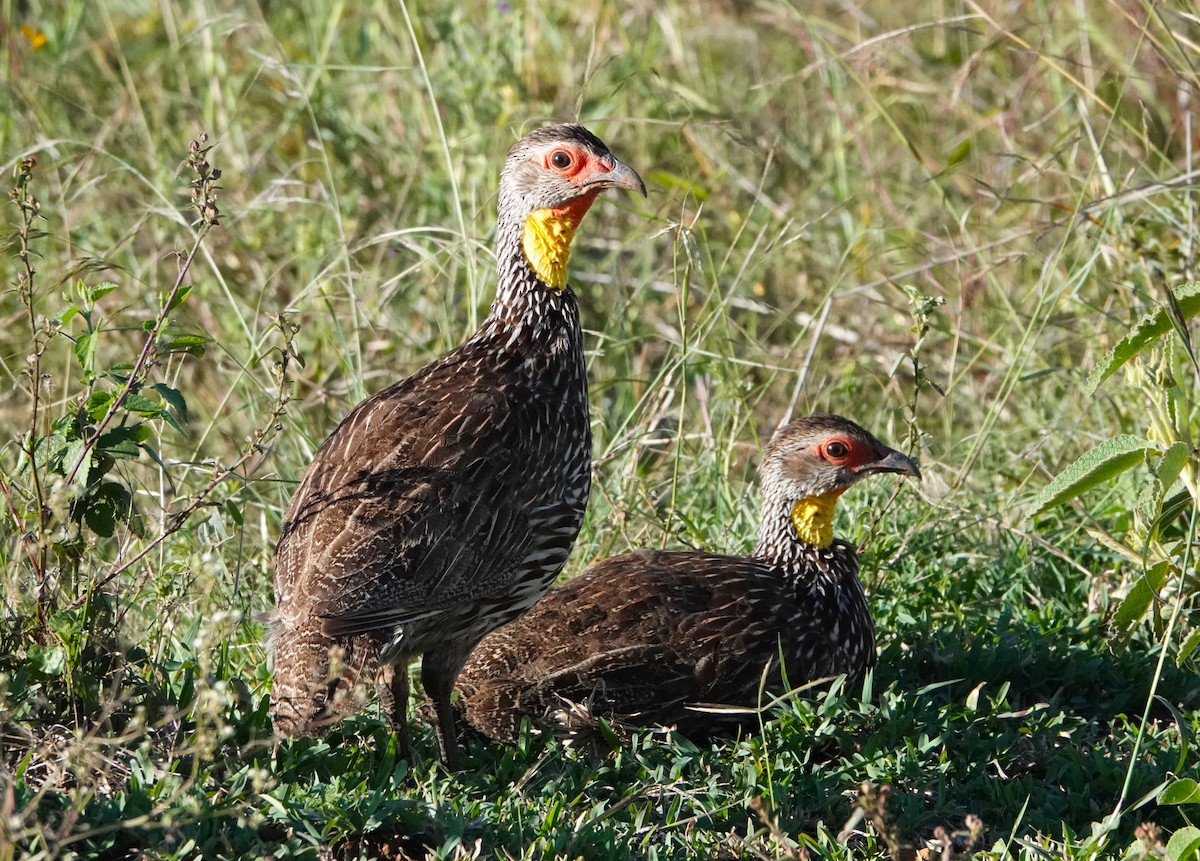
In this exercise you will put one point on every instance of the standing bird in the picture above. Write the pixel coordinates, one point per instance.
(645, 637)
(446, 504)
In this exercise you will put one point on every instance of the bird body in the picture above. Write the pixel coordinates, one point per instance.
(651, 637)
(446, 504)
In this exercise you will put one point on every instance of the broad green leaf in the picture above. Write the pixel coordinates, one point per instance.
(180, 298)
(1149, 501)
(84, 349)
(106, 507)
(1154, 325)
(1184, 844)
(170, 418)
(47, 660)
(99, 291)
(1103, 463)
(1181, 791)
(137, 403)
(71, 454)
(100, 516)
(65, 624)
(1189, 646)
(191, 344)
(98, 403)
(1141, 595)
(1171, 464)
(123, 442)
(66, 314)
(174, 398)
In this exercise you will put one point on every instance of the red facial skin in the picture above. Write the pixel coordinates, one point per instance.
(855, 454)
(582, 166)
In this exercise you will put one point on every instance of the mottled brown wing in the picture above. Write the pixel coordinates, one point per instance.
(406, 500)
(677, 627)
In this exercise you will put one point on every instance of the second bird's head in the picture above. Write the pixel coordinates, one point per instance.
(812, 461)
(550, 179)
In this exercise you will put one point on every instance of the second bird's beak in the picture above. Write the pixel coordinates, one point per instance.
(621, 176)
(894, 461)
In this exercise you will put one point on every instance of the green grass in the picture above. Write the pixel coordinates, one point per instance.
(825, 180)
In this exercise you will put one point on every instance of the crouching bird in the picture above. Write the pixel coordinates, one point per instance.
(650, 637)
(446, 504)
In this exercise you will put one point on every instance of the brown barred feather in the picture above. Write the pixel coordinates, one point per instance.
(648, 637)
(446, 504)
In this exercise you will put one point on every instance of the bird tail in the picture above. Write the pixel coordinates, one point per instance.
(318, 680)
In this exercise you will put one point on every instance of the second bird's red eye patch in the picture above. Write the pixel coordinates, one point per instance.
(844, 452)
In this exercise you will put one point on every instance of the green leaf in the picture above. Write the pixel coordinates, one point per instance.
(99, 291)
(170, 418)
(1171, 464)
(1149, 501)
(1189, 646)
(1182, 791)
(84, 349)
(1184, 844)
(106, 507)
(1103, 463)
(71, 454)
(1141, 596)
(98, 403)
(180, 298)
(959, 154)
(67, 314)
(1154, 325)
(174, 398)
(190, 344)
(1172, 509)
(123, 442)
(47, 660)
(141, 404)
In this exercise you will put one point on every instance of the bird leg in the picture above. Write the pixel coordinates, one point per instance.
(393, 696)
(438, 684)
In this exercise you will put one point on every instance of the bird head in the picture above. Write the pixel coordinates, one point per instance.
(550, 179)
(812, 461)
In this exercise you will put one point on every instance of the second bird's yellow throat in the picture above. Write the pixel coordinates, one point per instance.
(812, 519)
(546, 239)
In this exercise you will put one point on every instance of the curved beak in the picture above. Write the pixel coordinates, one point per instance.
(893, 461)
(620, 176)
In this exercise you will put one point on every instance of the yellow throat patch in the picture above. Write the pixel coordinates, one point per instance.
(546, 238)
(812, 519)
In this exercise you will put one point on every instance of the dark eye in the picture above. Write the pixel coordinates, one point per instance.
(561, 159)
(837, 449)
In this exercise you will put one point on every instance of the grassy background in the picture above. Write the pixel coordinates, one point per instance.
(932, 217)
